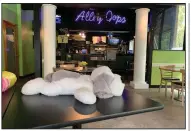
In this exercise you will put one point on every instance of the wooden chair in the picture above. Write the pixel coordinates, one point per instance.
(166, 76)
(179, 85)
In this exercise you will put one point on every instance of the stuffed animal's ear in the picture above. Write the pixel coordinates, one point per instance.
(48, 77)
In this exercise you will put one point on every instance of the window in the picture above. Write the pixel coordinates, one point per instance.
(178, 43)
(157, 30)
(170, 28)
(165, 40)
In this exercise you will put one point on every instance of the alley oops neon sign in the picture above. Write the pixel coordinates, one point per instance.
(89, 16)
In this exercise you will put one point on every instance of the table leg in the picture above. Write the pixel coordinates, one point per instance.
(77, 126)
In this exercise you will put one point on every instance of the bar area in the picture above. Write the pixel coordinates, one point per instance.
(98, 37)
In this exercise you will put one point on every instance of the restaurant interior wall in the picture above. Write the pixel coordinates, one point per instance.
(162, 58)
(12, 14)
(27, 42)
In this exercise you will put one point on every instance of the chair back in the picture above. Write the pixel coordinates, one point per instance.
(164, 71)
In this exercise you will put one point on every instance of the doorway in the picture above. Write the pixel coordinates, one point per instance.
(10, 48)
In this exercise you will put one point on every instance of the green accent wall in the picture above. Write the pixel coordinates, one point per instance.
(20, 46)
(168, 57)
(28, 50)
(165, 57)
(12, 14)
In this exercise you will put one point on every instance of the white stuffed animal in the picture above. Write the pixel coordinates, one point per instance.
(85, 88)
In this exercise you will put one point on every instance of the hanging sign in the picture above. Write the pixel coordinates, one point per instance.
(110, 17)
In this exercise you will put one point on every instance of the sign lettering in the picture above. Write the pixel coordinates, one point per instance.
(58, 20)
(90, 16)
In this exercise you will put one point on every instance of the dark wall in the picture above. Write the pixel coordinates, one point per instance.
(68, 16)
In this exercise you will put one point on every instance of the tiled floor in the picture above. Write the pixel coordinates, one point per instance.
(172, 116)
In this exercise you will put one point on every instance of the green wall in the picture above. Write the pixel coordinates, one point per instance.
(161, 58)
(28, 50)
(20, 40)
(12, 13)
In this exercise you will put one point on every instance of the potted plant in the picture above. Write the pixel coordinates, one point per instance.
(83, 64)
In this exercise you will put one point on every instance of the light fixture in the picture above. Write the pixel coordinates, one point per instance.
(80, 33)
(68, 35)
(58, 16)
(83, 36)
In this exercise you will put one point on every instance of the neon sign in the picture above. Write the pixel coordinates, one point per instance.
(90, 16)
(58, 19)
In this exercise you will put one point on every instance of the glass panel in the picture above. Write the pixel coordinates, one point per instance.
(168, 19)
(173, 29)
(11, 66)
(157, 30)
(158, 22)
(180, 29)
(168, 28)
(156, 42)
(165, 40)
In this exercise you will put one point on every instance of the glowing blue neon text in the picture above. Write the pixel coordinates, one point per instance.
(90, 16)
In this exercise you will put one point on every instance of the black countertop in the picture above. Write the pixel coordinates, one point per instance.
(40, 111)
(7, 95)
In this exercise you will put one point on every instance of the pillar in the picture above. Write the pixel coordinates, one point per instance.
(140, 49)
(49, 37)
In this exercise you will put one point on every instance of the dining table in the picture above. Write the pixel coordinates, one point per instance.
(175, 69)
(81, 70)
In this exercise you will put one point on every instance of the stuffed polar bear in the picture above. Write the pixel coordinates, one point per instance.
(102, 83)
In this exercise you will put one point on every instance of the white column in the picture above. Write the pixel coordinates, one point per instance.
(49, 37)
(140, 49)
